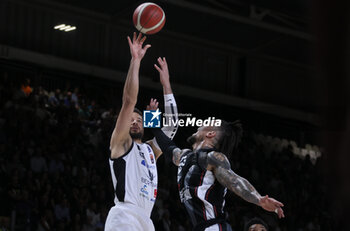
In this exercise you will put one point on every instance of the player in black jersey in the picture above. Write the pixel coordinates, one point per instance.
(205, 174)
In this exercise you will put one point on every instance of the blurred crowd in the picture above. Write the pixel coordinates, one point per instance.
(54, 170)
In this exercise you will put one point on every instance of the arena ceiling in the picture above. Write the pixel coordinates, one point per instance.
(280, 29)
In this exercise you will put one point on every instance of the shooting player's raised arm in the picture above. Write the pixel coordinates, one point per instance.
(121, 140)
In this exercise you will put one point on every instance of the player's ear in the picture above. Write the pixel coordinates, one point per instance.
(211, 134)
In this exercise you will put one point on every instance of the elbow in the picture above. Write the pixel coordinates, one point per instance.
(113, 154)
(127, 100)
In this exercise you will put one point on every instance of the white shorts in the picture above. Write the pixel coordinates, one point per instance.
(128, 217)
(213, 228)
(218, 227)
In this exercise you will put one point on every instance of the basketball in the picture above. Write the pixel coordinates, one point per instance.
(149, 18)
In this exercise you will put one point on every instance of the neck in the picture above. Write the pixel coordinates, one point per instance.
(202, 144)
(137, 141)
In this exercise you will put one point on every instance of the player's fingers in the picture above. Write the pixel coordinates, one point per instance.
(158, 69)
(164, 60)
(280, 213)
(139, 36)
(146, 47)
(160, 61)
(279, 204)
(143, 39)
(276, 202)
(129, 40)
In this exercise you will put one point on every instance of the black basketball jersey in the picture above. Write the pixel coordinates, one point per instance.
(200, 192)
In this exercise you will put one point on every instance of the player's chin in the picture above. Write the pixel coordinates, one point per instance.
(192, 139)
(136, 135)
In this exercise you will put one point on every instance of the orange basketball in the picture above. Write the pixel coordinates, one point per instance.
(149, 18)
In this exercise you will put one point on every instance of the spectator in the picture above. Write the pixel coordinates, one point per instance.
(75, 97)
(26, 88)
(92, 214)
(56, 165)
(38, 162)
(256, 224)
(62, 211)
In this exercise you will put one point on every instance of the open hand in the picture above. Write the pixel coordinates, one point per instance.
(136, 49)
(153, 105)
(272, 205)
(163, 71)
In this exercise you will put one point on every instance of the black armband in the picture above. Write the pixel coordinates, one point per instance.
(165, 143)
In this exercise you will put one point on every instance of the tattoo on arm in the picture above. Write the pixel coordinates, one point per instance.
(231, 180)
(177, 153)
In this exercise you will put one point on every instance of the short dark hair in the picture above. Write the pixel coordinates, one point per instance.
(254, 221)
(138, 111)
(230, 136)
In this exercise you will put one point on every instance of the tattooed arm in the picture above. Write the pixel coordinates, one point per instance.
(177, 153)
(168, 146)
(223, 173)
(219, 164)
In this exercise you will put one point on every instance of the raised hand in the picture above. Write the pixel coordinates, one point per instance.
(153, 105)
(272, 205)
(136, 49)
(163, 72)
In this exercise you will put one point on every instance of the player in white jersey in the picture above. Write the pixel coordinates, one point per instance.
(133, 163)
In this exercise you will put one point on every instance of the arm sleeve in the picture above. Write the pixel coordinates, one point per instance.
(165, 143)
(170, 113)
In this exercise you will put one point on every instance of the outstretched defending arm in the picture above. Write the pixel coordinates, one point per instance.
(170, 107)
(168, 147)
(121, 140)
(219, 164)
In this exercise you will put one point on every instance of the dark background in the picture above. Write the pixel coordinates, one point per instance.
(280, 67)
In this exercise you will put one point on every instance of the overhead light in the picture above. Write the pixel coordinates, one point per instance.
(65, 28)
(70, 29)
(59, 26)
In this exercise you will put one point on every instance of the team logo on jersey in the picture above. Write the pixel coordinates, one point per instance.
(143, 162)
(144, 190)
(151, 157)
(151, 118)
(149, 149)
(148, 182)
(155, 193)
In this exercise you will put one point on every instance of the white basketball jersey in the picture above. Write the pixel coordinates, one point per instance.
(135, 177)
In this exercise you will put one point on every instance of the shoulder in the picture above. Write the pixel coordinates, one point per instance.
(179, 155)
(182, 151)
(122, 152)
(218, 159)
